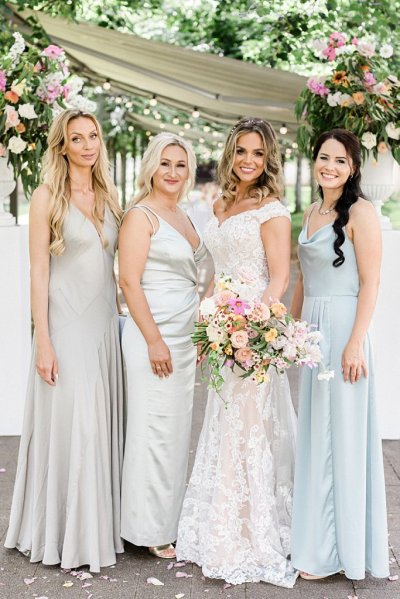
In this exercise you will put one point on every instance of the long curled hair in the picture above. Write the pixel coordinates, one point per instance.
(351, 191)
(151, 161)
(56, 174)
(270, 181)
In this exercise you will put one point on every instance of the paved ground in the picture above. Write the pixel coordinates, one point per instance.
(127, 580)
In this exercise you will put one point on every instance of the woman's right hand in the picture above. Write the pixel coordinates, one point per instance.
(46, 363)
(160, 358)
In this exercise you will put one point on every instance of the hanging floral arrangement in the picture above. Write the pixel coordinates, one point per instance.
(358, 93)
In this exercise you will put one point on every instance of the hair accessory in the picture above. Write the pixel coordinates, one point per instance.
(247, 122)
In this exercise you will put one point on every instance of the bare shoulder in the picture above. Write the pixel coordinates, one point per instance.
(138, 219)
(41, 196)
(363, 211)
(219, 205)
(308, 211)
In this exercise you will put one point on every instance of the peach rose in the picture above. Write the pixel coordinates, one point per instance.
(11, 97)
(239, 339)
(222, 298)
(358, 98)
(20, 128)
(382, 147)
(278, 309)
(12, 118)
(243, 354)
(239, 322)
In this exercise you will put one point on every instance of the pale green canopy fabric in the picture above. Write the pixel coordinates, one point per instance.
(222, 89)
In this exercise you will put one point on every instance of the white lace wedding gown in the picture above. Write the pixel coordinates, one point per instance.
(236, 515)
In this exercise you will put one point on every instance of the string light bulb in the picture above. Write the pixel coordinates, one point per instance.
(146, 111)
(153, 101)
(106, 86)
(195, 113)
(283, 129)
(175, 120)
(187, 125)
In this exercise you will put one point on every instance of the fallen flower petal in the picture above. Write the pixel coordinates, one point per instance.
(183, 575)
(29, 580)
(68, 584)
(84, 575)
(179, 564)
(170, 566)
(180, 596)
(393, 578)
(86, 584)
(155, 582)
(3, 470)
(227, 585)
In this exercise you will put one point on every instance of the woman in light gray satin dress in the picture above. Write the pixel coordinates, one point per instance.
(158, 251)
(66, 503)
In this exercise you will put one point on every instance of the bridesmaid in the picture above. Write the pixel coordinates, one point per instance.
(66, 504)
(158, 251)
(339, 515)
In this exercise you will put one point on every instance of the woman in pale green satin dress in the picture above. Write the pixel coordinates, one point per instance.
(339, 513)
(158, 251)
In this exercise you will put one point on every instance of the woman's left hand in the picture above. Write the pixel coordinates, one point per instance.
(353, 362)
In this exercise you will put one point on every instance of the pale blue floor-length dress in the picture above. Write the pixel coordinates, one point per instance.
(159, 410)
(339, 513)
(66, 503)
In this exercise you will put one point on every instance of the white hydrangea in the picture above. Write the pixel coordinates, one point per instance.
(17, 48)
(81, 103)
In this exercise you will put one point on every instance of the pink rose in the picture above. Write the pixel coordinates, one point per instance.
(339, 39)
(239, 339)
(12, 118)
(243, 354)
(53, 51)
(2, 151)
(223, 297)
(354, 41)
(329, 53)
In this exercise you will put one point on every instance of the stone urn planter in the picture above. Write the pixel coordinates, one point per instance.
(379, 179)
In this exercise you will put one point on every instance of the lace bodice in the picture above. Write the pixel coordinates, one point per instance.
(237, 248)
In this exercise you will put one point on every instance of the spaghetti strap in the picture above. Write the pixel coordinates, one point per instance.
(143, 208)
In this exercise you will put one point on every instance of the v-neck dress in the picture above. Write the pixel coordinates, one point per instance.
(159, 410)
(339, 512)
(66, 503)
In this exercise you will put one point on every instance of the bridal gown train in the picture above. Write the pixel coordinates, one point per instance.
(236, 516)
(66, 503)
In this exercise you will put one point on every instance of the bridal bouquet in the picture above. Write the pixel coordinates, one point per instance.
(235, 332)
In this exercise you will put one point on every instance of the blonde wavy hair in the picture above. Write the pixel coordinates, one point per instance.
(271, 180)
(55, 173)
(151, 161)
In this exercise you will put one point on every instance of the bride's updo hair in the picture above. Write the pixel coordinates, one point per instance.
(270, 183)
(351, 191)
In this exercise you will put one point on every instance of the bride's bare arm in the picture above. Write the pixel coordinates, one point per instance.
(275, 235)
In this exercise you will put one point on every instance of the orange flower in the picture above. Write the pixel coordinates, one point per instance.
(32, 146)
(20, 128)
(339, 78)
(11, 97)
(239, 322)
(382, 147)
(365, 68)
(358, 98)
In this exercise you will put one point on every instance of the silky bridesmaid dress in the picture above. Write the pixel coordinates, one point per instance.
(339, 513)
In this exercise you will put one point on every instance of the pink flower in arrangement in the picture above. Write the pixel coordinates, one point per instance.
(66, 91)
(53, 51)
(317, 87)
(329, 53)
(12, 117)
(239, 339)
(223, 297)
(337, 39)
(243, 355)
(229, 363)
(369, 78)
(239, 306)
(3, 81)
(354, 41)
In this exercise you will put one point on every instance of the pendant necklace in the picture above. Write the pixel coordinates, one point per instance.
(325, 212)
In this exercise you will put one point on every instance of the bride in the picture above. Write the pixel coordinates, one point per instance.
(236, 515)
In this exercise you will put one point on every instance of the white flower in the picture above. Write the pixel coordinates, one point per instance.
(319, 46)
(366, 48)
(16, 145)
(392, 131)
(212, 333)
(27, 111)
(368, 140)
(326, 375)
(207, 307)
(17, 48)
(75, 85)
(82, 103)
(334, 99)
(346, 100)
(386, 51)
(346, 49)
(18, 88)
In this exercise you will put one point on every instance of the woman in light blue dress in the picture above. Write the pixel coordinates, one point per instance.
(158, 251)
(339, 513)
